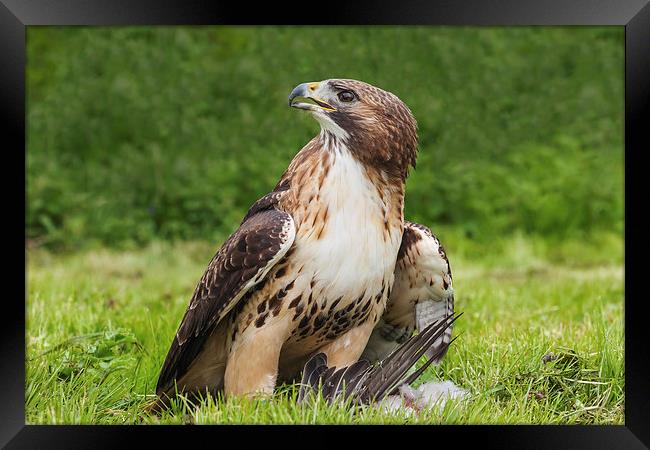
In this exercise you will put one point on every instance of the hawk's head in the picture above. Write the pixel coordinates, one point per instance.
(374, 124)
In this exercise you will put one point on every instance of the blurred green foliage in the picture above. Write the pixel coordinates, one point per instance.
(146, 133)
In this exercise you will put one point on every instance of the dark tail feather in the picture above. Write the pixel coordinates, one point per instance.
(365, 383)
(435, 357)
(317, 377)
(388, 374)
(353, 377)
(311, 374)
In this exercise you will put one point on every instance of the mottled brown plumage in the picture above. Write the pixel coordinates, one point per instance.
(240, 262)
(422, 294)
(312, 266)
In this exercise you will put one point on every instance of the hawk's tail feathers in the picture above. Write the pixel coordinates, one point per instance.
(364, 383)
(434, 358)
(329, 382)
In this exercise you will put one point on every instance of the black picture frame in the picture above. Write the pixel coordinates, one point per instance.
(634, 15)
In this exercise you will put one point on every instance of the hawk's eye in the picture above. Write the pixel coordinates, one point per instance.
(346, 96)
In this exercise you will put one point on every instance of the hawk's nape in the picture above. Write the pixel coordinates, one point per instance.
(364, 383)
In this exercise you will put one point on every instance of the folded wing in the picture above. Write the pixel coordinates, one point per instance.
(264, 237)
(422, 294)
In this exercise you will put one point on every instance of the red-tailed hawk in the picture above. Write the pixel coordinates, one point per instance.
(323, 264)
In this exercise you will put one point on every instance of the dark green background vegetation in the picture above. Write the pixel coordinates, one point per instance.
(136, 134)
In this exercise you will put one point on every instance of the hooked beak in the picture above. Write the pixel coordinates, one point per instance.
(305, 91)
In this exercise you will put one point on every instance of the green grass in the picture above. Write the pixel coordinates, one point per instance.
(541, 340)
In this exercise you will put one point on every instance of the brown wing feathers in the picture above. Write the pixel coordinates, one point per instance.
(241, 262)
